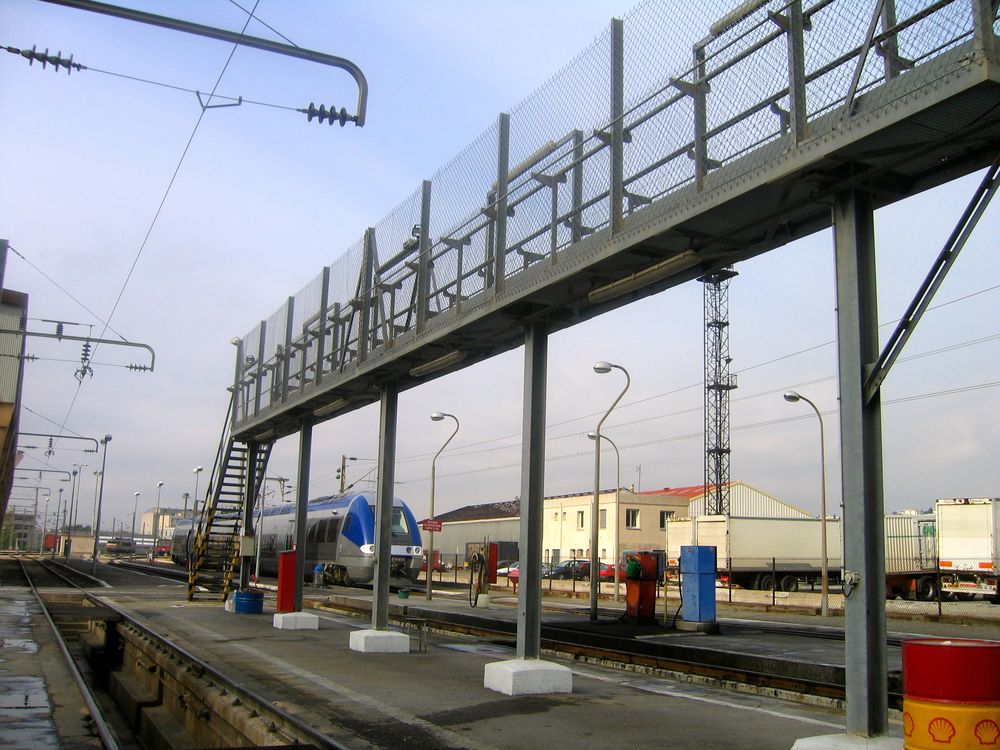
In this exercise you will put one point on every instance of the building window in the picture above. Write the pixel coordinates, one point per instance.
(664, 515)
(631, 518)
(604, 518)
(555, 516)
(579, 519)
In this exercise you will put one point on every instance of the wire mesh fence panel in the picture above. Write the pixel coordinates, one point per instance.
(306, 327)
(462, 192)
(701, 91)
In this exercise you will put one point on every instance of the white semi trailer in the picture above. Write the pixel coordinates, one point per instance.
(781, 553)
(761, 553)
(968, 532)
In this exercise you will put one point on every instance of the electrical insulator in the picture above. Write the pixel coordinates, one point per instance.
(56, 61)
(60, 329)
(328, 115)
(85, 354)
(139, 368)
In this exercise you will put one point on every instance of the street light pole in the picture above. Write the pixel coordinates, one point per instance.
(197, 473)
(600, 368)
(58, 528)
(100, 500)
(135, 509)
(436, 417)
(618, 483)
(792, 397)
(79, 489)
(156, 518)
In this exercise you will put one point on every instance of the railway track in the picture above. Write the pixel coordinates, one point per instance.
(71, 612)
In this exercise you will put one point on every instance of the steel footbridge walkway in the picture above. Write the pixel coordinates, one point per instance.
(646, 163)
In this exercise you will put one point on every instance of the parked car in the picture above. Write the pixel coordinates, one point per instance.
(571, 569)
(506, 569)
(606, 573)
(515, 573)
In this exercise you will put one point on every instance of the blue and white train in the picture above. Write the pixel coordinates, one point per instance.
(340, 536)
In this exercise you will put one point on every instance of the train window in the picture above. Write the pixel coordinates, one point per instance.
(320, 531)
(399, 522)
(348, 522)
(311, 533)
(333, 530)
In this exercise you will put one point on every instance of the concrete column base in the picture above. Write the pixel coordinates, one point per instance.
(527, 677)
(380, 642)
(295, 621)
(696, 626)
(848, 742)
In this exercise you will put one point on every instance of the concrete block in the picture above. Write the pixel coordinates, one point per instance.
(848, 742)
(380, 642)
(527, 677)
(295, 621)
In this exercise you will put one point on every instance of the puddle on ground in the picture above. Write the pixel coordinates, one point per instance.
(491, 649)
(26, 645)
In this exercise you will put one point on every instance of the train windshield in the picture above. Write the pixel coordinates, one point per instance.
(400, 528)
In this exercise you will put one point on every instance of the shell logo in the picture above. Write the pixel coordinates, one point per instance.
(941, 730)
(987, 732)
(908, 724)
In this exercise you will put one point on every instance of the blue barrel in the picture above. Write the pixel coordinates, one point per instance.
(248, 602)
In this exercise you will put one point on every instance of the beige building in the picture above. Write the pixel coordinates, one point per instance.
(639, 518)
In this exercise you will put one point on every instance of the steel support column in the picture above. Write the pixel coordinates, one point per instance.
(861, 451)
(286, 358)
(324, 306)
(302, 508)
(424, 265)
(529, 598)
(249, 506)
(500, 206)
(617, 191)
(383, 513)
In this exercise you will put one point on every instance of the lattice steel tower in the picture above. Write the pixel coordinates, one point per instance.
(718, 383)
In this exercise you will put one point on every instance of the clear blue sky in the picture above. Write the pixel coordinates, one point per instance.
(263, 200)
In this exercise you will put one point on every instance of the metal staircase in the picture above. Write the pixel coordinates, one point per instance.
(237, 478)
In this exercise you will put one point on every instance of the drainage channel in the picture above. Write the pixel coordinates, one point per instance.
(165, 696)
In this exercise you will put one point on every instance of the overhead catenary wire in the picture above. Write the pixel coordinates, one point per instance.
(107, 322)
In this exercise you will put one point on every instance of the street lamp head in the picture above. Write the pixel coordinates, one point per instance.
(791, 396)
(159, 484)
(592, 435)
(602, 367)
(136, 494)
(106, 439)
(198, 469)
(437, 416)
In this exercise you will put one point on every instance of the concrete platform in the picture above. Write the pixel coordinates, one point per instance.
(439, 698)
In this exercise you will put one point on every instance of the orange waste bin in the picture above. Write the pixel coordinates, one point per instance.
(951, 693)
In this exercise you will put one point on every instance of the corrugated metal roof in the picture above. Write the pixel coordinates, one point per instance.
(484, 512)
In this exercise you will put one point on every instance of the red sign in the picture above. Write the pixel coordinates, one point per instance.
(430, 524)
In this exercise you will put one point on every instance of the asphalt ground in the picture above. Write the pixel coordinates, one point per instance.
(436, 698)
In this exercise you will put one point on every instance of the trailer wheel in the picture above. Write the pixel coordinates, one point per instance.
(926, 589)
(765, 582)
(789, 582)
